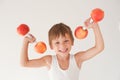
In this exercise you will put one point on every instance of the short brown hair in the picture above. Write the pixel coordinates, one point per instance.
(59, 29)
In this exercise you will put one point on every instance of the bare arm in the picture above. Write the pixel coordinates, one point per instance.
(26, 62)
(97, 48)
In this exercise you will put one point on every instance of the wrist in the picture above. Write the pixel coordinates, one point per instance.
(25, 41)
(95, 26)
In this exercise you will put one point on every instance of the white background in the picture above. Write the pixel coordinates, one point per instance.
(40, 15)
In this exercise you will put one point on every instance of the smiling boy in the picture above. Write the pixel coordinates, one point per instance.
(63, 65)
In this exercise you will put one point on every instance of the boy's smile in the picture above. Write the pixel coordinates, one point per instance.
(63, 51)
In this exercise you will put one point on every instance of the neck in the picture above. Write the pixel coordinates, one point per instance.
(63, 57)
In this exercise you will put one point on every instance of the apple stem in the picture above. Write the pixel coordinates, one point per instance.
(91, 20)
(84, 28)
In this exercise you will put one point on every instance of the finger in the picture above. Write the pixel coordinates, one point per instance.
(31, 36)
(87, 21)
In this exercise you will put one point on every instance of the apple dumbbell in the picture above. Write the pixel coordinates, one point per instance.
(97, 15)
(23, 30)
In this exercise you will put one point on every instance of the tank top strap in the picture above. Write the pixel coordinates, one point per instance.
(54, 61)
(73, 62)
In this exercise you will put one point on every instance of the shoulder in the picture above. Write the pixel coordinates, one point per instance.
(78, 57)
(80, 54)
(47, 60)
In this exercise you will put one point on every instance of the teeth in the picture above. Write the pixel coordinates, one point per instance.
(63, 50)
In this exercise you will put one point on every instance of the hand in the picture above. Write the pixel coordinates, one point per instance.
(30, 38)
(89, 24)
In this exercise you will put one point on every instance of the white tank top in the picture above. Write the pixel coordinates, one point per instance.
(56, 73)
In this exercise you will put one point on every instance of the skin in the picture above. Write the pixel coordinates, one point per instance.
(62, 47)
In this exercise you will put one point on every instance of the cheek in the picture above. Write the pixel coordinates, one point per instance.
(53, 47)
(70, 44)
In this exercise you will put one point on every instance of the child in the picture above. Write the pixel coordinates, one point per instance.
(63, 65)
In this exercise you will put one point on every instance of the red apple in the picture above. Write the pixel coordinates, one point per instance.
(40, 47)
(97, 14)
(80, 32)
(23, 29)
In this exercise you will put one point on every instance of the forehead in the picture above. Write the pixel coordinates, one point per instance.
(66, 36)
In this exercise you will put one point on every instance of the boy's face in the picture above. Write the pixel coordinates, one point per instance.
(62, 44)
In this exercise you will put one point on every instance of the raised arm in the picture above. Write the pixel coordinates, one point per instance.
(97, 48)
(26, 62)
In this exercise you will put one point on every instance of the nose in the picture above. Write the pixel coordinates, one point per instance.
(62, 46)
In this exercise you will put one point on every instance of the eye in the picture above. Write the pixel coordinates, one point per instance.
(66, 41)
(56, 42)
